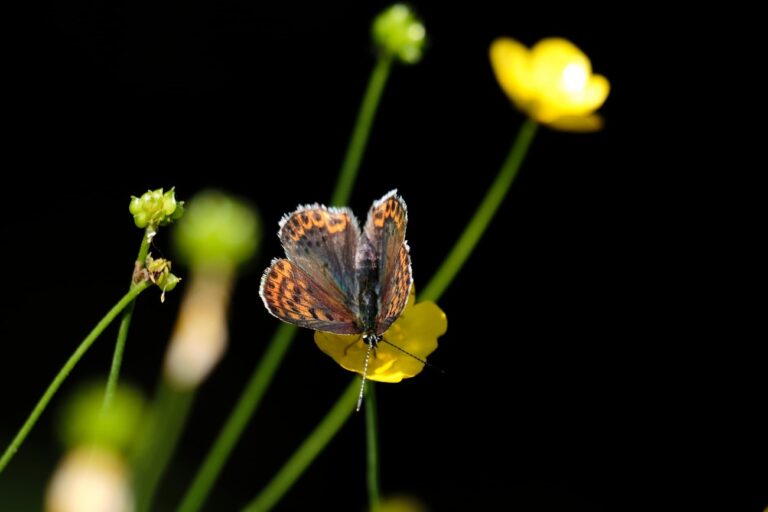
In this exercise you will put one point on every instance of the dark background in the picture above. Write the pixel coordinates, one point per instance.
(577, 374)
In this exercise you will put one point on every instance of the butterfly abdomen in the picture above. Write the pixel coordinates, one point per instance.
(367, 274)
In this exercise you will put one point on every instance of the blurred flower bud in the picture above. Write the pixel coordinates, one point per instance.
(84, 421)
(399, 33)
(217, 234)
(90, 479)
(200, 336)
(217, 230)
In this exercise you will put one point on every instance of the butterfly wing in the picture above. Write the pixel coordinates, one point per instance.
(385, 232)
(323, 242)
(293, 295)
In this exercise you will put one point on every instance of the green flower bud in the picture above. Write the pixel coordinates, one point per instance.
(155, 208)
(168, 281)
(83, 420)
(398, 32)
(217, 231)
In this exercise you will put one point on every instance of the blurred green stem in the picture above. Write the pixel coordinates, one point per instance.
(125, 322)
(126, 301)
(461, 251)
(170, 411)
(278, 346)
(238, 419)
(483, 216)
(306, 453)
(361, 131)
(371, 430)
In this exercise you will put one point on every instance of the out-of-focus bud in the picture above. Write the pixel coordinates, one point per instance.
(399, 33)
(84, 421)
(217, 231)
(217, 234)
(90, 479)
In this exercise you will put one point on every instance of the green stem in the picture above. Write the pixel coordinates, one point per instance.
(308, 451)
(125, 323)
(264, 371)
(71, 362)
(361, 131)
(469, 238)
(170, 410)
(371, 424)
(483, 216)
(238, 419)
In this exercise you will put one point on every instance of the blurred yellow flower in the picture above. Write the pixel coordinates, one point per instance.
(416, 332)
(402, 503)
(552, 82)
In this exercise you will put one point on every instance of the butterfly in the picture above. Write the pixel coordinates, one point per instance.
(337, 278)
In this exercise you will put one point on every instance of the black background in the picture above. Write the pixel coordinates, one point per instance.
(576, 374)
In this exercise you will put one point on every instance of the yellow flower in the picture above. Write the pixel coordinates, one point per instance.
(552, 82)
(416, 332)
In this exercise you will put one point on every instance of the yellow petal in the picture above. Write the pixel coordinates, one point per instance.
(560, 85)
(595, 93)
(415, 332)
(578, 124)
(510, 61)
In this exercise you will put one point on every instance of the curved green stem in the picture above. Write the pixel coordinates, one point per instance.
(308, 451)
(479, 222)
(170, 412)
(319, 438)
(372, 441)
(125, 323)
(361, 131)
(238, 419)
(265, 370)
(64, 372)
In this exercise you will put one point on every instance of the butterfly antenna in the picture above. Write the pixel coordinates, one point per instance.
(365, 375)
(422, 361)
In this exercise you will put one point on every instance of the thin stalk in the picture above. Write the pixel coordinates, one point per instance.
(372, 438)
(319, 438)
(307, 452)
(362, 130)
(125, 323)
(127, 300)
(278, 346)
(238, 419)
(483, 216)
(171, 409)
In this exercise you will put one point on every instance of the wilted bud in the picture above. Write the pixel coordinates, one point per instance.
(155, 208)
(159, 272)
(399, 33)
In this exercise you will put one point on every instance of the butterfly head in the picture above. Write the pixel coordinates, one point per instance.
(372, 339)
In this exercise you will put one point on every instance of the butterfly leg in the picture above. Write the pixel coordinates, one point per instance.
(351, 345)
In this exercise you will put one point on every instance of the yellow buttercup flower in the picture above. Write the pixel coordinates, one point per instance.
(552, 82)
(416, 332)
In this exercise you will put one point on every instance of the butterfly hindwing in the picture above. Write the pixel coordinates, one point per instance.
(292, 295)
(322, 242)
(385, 231)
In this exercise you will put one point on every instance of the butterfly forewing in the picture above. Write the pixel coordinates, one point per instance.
(322, 242)
(293, 296)
(385, 230)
